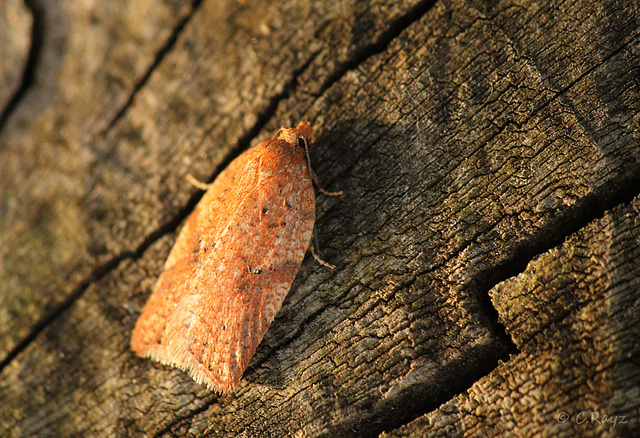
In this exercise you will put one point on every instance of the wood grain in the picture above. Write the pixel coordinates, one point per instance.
(485, 149)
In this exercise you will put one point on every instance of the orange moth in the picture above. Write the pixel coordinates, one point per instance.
(233, 263)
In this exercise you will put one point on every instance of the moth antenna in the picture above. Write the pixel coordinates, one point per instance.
(315, 254)
(314, 178)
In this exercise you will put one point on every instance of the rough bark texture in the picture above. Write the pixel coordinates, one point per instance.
(486, 245)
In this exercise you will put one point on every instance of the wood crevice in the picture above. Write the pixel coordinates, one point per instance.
(38, 34)
(159, 57)
(365, 52)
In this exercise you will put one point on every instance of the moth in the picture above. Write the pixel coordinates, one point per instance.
(233, 263)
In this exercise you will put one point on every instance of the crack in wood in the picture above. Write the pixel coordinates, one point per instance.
(96, 274)
(588, 210)
(380, 45)
(38, 32)
(162, 53)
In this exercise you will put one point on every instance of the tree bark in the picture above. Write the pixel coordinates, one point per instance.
(486, 243)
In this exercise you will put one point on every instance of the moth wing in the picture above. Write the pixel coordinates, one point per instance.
(182, 263)
(232, 266)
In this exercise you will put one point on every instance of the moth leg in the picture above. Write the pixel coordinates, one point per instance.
(198, 184)
(326, 192)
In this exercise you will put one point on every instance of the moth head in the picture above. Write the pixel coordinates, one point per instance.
(296, 136)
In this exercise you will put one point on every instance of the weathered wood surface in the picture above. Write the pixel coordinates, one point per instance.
(573, 313)
(486, 245)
